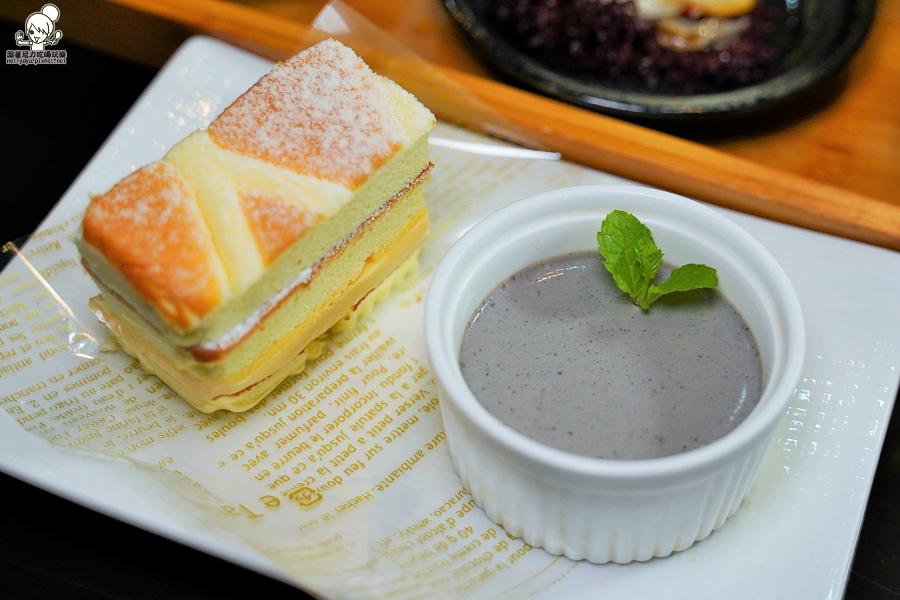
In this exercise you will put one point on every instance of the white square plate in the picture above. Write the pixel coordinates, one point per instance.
(794, 535)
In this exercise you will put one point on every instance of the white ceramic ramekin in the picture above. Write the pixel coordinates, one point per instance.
(594, 509)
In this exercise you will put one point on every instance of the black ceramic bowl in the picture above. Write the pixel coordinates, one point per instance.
(813, 40)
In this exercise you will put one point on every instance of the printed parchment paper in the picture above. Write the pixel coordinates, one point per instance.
(341, 477)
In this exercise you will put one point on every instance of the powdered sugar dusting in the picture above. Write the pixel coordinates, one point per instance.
(321, 113)
(149, 227)
(276, 221)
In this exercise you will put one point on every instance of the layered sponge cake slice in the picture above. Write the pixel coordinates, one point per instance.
(221, 264)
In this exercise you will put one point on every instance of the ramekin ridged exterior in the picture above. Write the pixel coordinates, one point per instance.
(596, 509)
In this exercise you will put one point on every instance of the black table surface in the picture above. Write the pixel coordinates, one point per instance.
(55, 119)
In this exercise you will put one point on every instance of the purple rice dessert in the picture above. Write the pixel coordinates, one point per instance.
(680, 46)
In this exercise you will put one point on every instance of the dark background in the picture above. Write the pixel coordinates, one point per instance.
(54, 118)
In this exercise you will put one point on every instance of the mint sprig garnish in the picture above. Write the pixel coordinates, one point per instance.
(633, 260)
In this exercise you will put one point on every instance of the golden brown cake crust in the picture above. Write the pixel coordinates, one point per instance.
(149, 227)
(320, 113)
(276, 221)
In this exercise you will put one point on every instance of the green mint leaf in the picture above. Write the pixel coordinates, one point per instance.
(683, 279)
(633, 259)
(630, 252)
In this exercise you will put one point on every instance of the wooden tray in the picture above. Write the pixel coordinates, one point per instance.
(597, 141)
